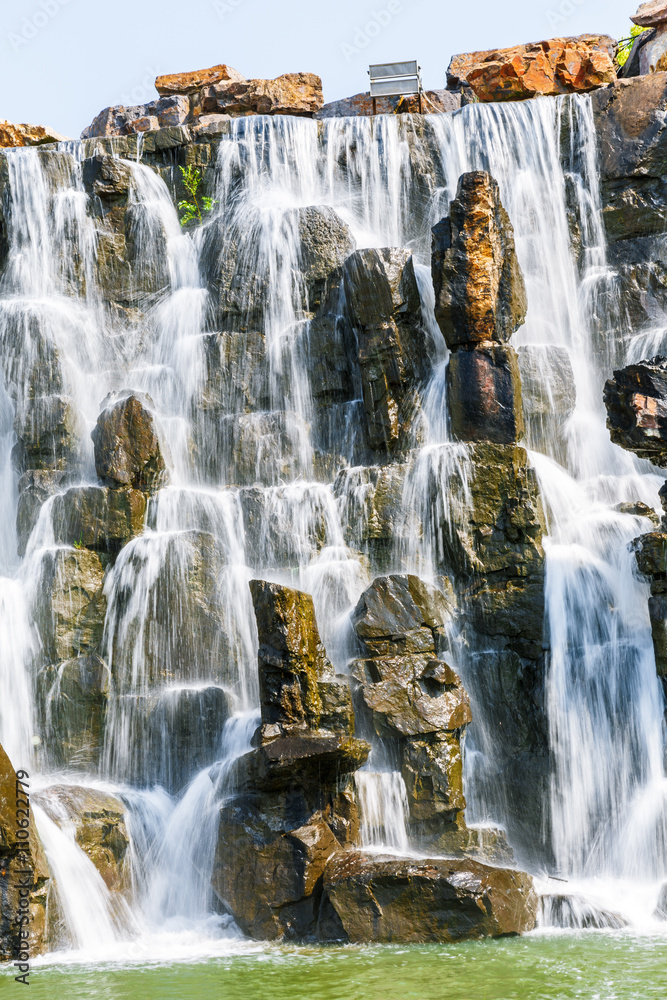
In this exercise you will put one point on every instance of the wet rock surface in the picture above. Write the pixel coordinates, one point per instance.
(651, 555)
(392, 349)
(480, 302)
(479, 287)
(22, 861)
(412, 700)
(99, 821)
(128, 449)
(636, 401)
(98, 518)
(381, 899)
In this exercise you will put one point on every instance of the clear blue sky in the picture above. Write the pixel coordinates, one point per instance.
(62, 61)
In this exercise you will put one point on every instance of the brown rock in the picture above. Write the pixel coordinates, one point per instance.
(385, 900)
(99, 821)
(433, 102)
(484, 393)
(128, 449)
(291, 94)
(99, 518)
(401, 615)
(269, 878)
(410, 695)
(310, 761)
(72, 604)
(292, 659)
(190, 83)
(556, 66)
(432, 769)
(650, 14)
(27, 135)
(479, 287)
(22, 860)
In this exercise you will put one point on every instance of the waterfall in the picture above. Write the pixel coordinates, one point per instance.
(269, 484)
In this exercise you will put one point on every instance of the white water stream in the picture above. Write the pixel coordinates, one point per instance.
(389, 183)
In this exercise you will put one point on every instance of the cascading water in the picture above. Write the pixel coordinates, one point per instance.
(389, 181)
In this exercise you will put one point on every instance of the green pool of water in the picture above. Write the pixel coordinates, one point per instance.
(587, 965)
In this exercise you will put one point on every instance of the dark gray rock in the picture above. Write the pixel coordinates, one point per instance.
(384, 309)
(636, 401)
(484, 394)
(387, 900)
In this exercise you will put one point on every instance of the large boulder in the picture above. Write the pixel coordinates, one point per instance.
(633, 156)
(190, 83)
(412, 695)
(297, 94)
(71, 604)
(292, 809)
(650, 14)
(22, 866)
(384, 308)
(375, 899)
(128, 448)
(298, 688)
(98, 819)
(27, 135)
(636, 401)
(556, 66)
(292, 659)
(401, 615)
(479, 287)
(269, 865)
(484, 395)
(76, 708)
(412, 700)
(98, 518)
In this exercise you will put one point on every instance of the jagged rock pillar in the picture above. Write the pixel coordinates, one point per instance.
(292, 809)
(480, 302)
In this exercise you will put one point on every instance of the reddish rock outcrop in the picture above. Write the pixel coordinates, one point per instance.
(556, 66)
(651, 14)
(290, 94)
(27, 135)
(190, 83)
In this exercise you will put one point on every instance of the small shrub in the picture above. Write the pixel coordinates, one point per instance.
(193, 209)
(625, 44)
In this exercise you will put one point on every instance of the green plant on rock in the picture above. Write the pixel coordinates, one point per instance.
(190, 210)
(625, 44)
